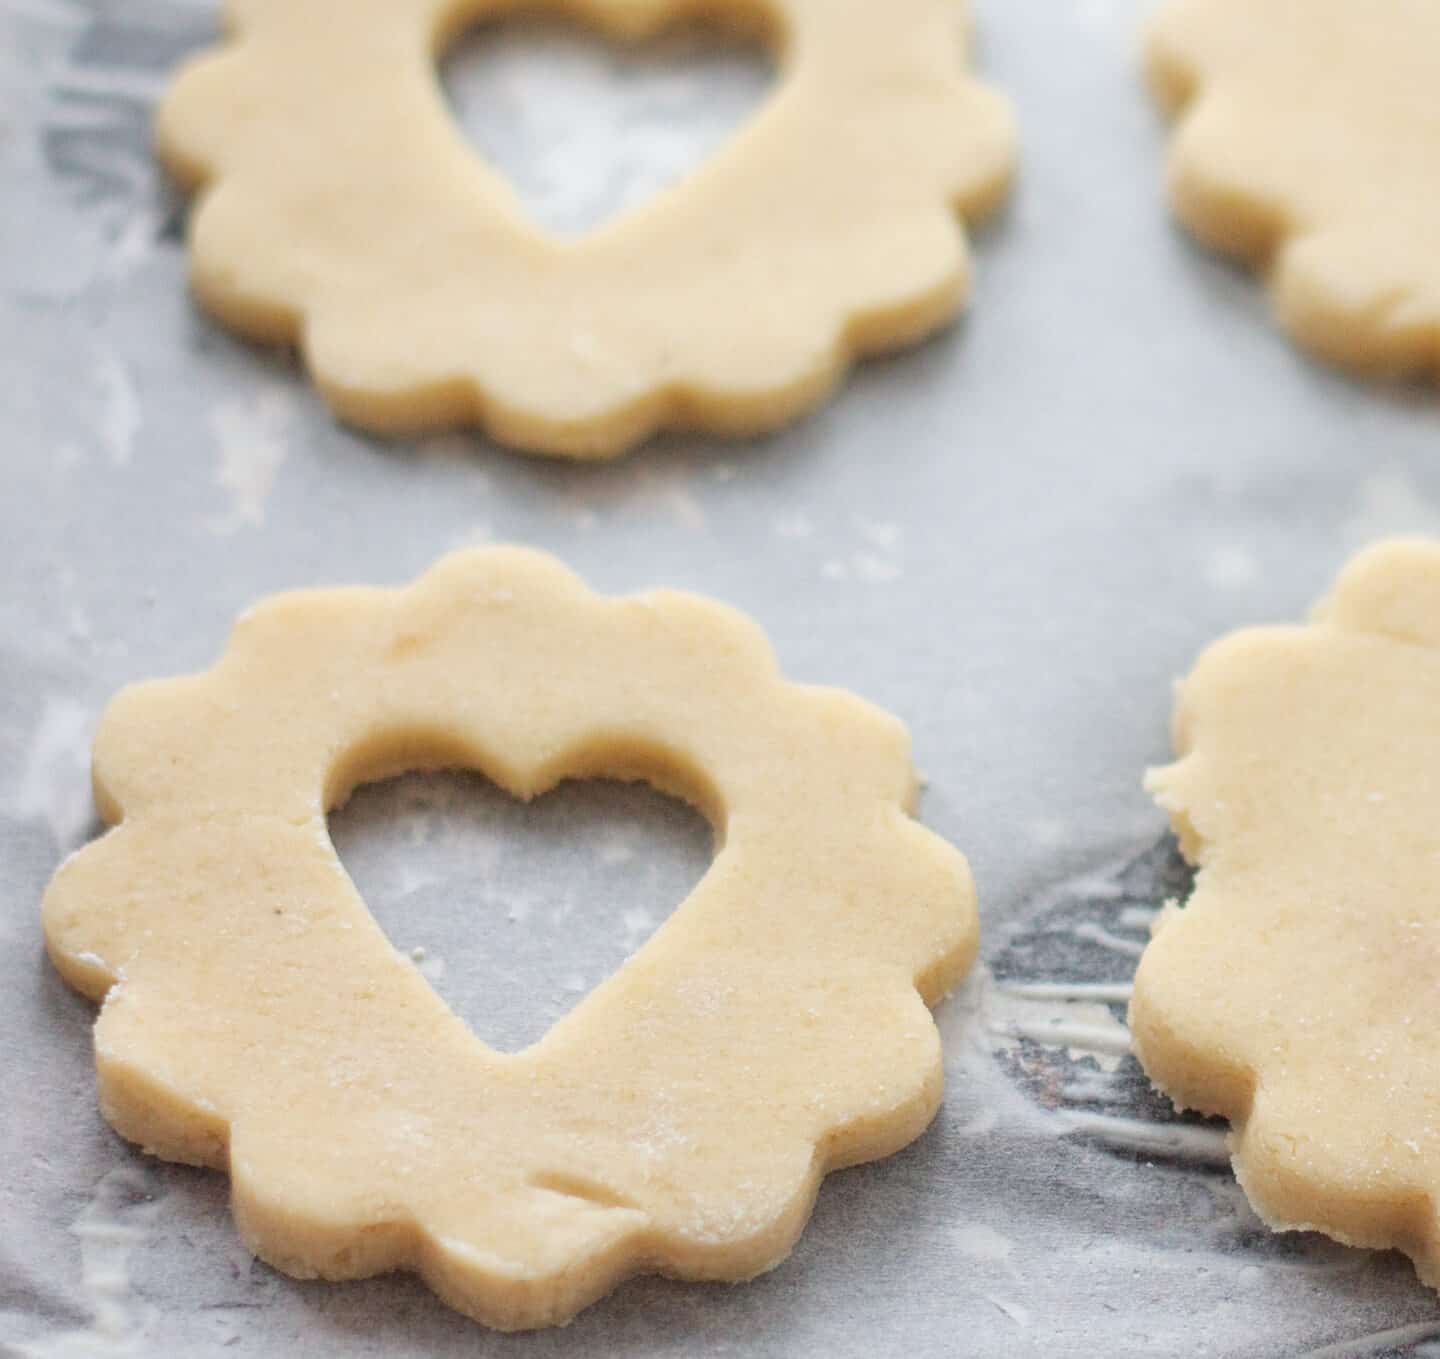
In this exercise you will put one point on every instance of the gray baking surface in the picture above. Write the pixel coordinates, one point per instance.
(1014, 537)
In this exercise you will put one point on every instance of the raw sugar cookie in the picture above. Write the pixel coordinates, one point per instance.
(256, 1019)
(1308, 142)
(342, 209)
(1295, 993)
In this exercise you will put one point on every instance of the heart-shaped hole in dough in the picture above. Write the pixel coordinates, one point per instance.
(586, 129)
(516, 912)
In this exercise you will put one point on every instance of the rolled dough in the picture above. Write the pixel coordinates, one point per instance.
(1294, 994)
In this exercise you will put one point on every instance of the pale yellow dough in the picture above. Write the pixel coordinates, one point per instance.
(1295, 993)
(680, 1119)
(343, 209)
(1309, 143)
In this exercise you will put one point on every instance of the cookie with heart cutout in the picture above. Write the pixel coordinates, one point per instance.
(256, 1019)
(341, 209)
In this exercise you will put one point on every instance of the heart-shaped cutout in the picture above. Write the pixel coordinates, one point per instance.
(515, 913)
(585, 129)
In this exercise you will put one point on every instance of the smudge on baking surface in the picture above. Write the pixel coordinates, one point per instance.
(117, 1218)
(252, 436)
(54, 782)
(793, 524)
(1103, 16)
(1231, 566)
(639, 490)
(981, 1242)
(478, 533)
(1389, 504)
(120, 410)
(875, 556)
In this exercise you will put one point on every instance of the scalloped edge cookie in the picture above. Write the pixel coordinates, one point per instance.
(1293, 994)
(256, 1019)
(341, 208)
(1307, 139)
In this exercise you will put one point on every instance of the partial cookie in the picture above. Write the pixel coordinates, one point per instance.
(1294, 994)
(1308, 143)
(343, 210)
(256, 1019)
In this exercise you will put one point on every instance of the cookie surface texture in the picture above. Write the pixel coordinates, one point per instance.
(341, 208)
(1308, 140)
(256, 1019)
(1293, 994)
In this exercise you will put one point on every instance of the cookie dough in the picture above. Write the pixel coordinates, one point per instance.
(1294, 994)
(256, 1019)
(343, 210)
(1308, 143)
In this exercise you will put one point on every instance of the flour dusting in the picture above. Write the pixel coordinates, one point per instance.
(979, 1242)
(1082, 1028)
(1389, 504)
(118, 1218)
(54, 783)
(120, 411)
(252, 435)
(1231, 566)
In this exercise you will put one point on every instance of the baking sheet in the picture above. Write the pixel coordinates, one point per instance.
(1014, 537)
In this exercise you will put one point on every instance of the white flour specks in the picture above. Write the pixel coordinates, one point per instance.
(979, 1242)
(793, 525)
(480, 533)
(117, 1219)
(983, 1123)
(1049, 832)
(876, 561)
(615, 849)
(875, 569)
(1102, 16)
(1389, 504)
(1230, 566)
(54, 784)
(880, 534)
(253, 439)
(638, 925)
(430, 966)
(120, 411)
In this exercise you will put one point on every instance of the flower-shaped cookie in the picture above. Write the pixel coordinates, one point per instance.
(1309, 143)
(256, 1019)
(1294, 995)
(345, 211)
